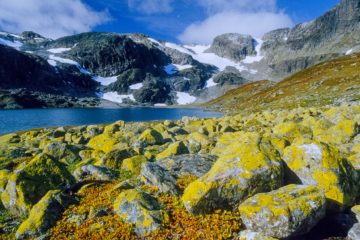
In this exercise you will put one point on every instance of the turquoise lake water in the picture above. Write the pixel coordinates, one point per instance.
(19, 120)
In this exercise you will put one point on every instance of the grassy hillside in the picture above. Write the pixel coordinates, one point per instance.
(328, 83)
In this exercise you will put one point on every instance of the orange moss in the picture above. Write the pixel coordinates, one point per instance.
(105, 227)
(180, 224)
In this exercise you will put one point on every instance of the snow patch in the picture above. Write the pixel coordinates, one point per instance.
(154, 41)
(52, 62)
(210, 83)
(58, 50)
(184, 98)
(160, 105)
(183, 67)
(178, 47)
(105, 81)
(136, 86)
(349, 51)
(117, 98)
(15, 44)
(63, 60)
(312, 150)
(258, 57)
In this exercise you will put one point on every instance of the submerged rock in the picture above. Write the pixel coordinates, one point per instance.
(284, 213)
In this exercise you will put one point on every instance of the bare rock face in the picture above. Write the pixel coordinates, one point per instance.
(233, 46)
(329, 36)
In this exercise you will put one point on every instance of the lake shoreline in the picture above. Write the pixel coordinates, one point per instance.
(18, 120)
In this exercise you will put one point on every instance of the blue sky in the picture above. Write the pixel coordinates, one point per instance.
(195, 21)
(169, 25)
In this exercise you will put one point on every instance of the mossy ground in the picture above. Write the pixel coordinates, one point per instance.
(179, 224)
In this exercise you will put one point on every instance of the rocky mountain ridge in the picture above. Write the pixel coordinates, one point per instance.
(134, 69)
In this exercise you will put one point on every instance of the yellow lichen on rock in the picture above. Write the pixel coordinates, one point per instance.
(103, 142)
(319, 164)
(134, 164)
(140, 209)
(174, 149)
(242, 171)
(284, 213)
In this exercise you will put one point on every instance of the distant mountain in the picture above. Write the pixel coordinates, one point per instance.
(134, 69)
(329, 83)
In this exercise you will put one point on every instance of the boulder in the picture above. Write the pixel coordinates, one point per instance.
(356, 212)
(313, 163)
(114, 158)
(140, 209)
(150, 137)
(133, 164)
(354, 232)
(43, 215)
(91, 172)
(103, 142)
(284, 213)
(153, 174)
(241, 172)
(27, 185)
(188, 164)
(174, 149)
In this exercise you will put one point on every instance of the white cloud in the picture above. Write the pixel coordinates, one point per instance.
(51, 18)
(151, 6)
(240, 5)
(254, 17)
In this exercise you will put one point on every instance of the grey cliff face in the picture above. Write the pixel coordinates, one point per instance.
(329, 36)
(233, 46)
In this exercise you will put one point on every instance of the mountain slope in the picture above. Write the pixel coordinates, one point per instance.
(329, 83)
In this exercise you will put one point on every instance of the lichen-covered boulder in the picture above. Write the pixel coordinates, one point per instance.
(153, 174)
(319, 164)
(249, 235)
(344, 131)
(242, 171)
(62, 151)
(103, 142)
(4, 174)
(27, 185)
(356, 212)
(188, 164)
(140, 209)
(91, 172)
(174, 149)
(114, 158)
(43, 215)
(284, 213)
(133, 164)
(150, 137)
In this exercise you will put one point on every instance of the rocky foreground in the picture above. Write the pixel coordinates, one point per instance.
(269, 175)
